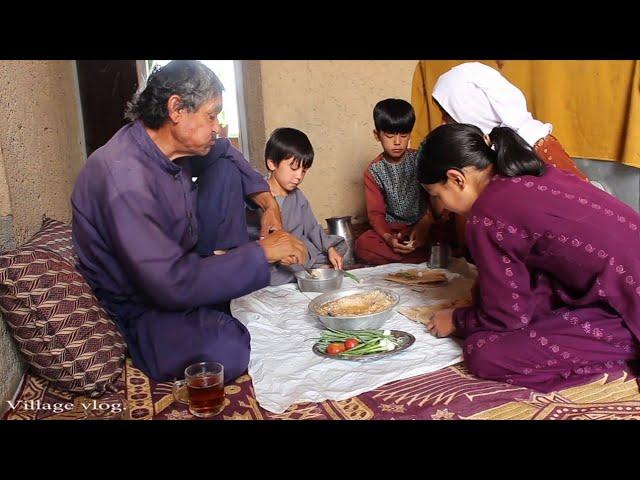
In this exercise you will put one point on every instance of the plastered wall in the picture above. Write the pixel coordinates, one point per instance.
(332, 102)
(41, 153)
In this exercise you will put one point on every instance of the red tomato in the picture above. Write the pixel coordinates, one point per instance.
(335, 348)
(349, 343)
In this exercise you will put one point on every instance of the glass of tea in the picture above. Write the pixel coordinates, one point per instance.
(202, 389)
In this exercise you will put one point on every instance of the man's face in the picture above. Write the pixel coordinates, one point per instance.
(197, 131)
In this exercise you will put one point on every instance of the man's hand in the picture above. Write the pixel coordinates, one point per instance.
(290, 260)
(282, 245)
(271, 220)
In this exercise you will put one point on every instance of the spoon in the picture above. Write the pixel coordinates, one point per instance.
(310, 272)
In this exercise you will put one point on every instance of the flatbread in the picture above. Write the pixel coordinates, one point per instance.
(423, 314)
(416, 276)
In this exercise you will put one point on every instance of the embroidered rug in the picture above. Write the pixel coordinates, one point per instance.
(448, 394)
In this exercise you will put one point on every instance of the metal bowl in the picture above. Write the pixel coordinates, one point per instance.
(327, 279)
(369, 321)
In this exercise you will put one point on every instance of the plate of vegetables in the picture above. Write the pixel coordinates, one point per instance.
(361, 345)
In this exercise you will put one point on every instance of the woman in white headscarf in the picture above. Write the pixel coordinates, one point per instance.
(480, 95)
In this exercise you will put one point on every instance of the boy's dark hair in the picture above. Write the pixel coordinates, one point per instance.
(287, 142)
(394, 115)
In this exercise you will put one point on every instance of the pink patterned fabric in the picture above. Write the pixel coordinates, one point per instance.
(448, 394)
(558, 266)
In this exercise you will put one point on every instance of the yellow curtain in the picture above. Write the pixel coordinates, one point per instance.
(594, 105)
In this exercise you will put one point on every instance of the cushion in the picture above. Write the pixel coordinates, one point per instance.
(55, 236)
(55, 319)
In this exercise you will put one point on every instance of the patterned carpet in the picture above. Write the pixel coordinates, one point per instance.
(449, 394)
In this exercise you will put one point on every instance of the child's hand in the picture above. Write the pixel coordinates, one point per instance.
(396, 244)
(335, 258)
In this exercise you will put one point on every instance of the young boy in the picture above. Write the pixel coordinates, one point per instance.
(288, 156)
(396, 205)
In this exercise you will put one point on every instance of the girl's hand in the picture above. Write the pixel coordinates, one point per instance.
(441, 323)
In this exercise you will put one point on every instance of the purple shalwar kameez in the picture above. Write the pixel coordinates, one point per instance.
(559, 279)
(139, 223)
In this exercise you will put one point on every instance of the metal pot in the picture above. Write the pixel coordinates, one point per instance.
(325, 280)
(342, 226)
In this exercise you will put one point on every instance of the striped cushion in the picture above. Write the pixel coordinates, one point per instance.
(57, 323)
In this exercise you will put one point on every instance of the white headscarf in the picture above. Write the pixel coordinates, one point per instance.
(478, 94)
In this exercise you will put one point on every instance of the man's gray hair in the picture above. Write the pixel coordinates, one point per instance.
(191, 80)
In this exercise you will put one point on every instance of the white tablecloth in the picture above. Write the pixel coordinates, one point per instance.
(286, 371)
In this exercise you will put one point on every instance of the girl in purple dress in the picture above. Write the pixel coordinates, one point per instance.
(558, 288)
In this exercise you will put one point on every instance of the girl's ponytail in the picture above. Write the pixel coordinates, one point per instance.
(514, 156)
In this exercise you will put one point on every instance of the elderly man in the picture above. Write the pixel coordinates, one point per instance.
(146, 233)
